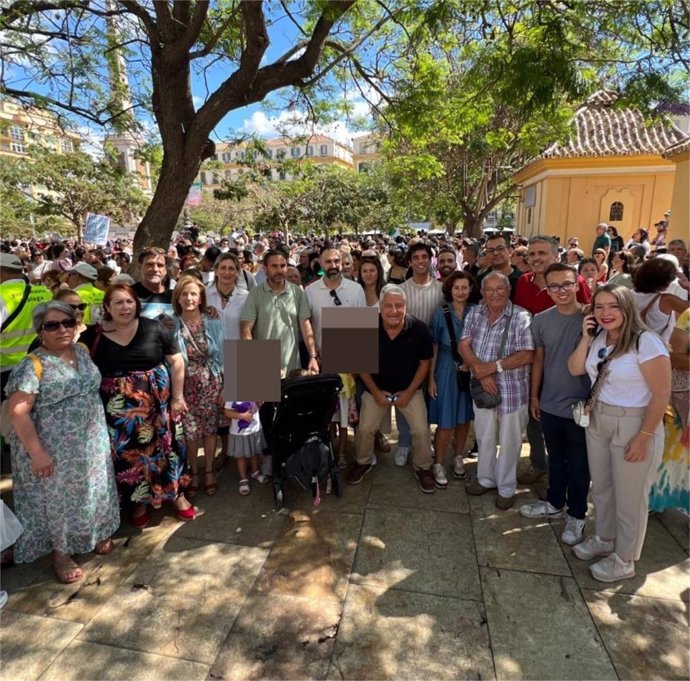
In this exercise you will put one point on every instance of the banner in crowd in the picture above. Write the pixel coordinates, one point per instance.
(194, 195)
(96, 229)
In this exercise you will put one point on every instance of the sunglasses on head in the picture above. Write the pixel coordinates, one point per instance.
(54, 326)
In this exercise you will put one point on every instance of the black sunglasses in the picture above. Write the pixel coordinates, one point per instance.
(336, 300)
(54, 326)
(81, 306)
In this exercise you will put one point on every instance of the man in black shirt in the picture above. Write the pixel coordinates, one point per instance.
(405, 352)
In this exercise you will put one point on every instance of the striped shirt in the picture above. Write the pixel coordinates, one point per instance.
(423, 299)
(513, 384)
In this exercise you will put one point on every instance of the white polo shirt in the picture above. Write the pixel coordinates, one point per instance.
(349, 292)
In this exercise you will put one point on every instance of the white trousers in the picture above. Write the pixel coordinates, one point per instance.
(499, 440)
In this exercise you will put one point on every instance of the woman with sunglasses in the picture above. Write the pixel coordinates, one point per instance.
(142, 390)
(63, 480)
(630, 371)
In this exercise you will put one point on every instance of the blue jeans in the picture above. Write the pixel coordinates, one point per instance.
(568, 467)
(404, 435)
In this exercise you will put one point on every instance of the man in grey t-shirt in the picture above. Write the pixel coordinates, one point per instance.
(557, 331)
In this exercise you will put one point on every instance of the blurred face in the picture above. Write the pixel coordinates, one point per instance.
(392, 310)
(368, 274)
(447, 264)
(190, 298)
(226, 272)
(332, 264)
(276, 268)
(599, 256)
(293, 276)
(607, 312)
(499, 255)
(540, 255)
(122, 307)
(562, 287)
(73, 280)
(483, 260)
(589, 271)
(75, 303)
(304, 259)
(617, 262)
(573, 243)
(56, 339)
(495, 293)
(347, 266)
(153, 271)
(420, 262)
(571, 257)
(679, 250)
(460, 291)
(636, 235)
(468, 255)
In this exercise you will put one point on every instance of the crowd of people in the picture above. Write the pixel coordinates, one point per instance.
(112, 370)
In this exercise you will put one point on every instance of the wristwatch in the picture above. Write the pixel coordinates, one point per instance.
(313, 356)
(499, 367)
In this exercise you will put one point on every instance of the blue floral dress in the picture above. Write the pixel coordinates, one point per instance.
(77, 506)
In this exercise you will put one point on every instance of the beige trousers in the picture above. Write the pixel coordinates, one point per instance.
(620, 488)
(371, 416)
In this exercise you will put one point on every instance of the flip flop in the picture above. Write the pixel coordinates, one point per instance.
(66, 570)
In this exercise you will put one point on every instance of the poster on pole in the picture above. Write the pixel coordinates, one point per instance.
(194, 195)
(96, 229)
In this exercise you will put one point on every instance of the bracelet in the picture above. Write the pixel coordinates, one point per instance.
(177, 399)
(644, 432)
(534, 397)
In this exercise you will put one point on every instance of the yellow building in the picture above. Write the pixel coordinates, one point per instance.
(679, 222)
(612, 170)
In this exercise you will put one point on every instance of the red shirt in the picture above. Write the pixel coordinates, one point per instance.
(535, 300)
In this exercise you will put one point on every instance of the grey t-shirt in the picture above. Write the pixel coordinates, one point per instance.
(559, 335)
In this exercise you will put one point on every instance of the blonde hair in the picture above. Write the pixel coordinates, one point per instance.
(184, 281)
(632, 326)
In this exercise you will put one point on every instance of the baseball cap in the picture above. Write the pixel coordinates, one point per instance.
(85, 270)
(10, 262)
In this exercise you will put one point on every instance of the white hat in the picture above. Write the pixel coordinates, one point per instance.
(85, 270)
(671, 258)
(10, 262)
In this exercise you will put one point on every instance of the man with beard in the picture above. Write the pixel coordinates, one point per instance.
(498, 250)
(332, 290)
(278, 310)
(447, 262)
(155, 296)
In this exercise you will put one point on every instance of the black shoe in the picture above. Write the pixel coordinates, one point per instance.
(357, 473)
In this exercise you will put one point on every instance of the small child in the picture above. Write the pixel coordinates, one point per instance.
(246, 441)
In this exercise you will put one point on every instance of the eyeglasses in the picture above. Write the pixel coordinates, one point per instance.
(565, 286)
(336, 300)
(495, 291)
(54, 326)
(81, 307)
(498, 249)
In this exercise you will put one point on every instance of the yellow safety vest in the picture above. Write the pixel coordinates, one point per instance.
(18, 336)
(94, 297)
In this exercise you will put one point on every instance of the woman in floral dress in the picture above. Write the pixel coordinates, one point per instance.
(62, 470)
(200, 340)
(144, 403)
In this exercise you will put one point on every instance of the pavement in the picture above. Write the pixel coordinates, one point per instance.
(384, 583)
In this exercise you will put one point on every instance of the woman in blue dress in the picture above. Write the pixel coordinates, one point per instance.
(449, 406)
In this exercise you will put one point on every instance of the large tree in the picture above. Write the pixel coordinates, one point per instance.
(54, 55)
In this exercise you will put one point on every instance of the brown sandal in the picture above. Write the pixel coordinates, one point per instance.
(193, 488)
(66, 570)
(210, 488)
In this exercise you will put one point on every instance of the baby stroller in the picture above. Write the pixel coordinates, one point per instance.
(299, 437)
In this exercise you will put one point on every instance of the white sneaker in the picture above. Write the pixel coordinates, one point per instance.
(574, 529)
(541, 509)
(439, 473)
(612, 569)
(592, 547)
(401, 456)
(459, 467)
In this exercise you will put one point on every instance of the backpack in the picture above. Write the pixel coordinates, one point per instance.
(6, 427)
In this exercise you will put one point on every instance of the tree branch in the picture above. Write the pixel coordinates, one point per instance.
(213, 40)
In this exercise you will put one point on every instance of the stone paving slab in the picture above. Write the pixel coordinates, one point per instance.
(393, 634)
(423, 551)
(647, 638)
(181, 601)
(313, 556)
(663, 570)
(279, 637)
(84, 661)
(541, 628)
(504, 539)
(678, 526)
(29, 644)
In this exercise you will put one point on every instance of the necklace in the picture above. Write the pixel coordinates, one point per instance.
(225, 298)
(71, 362)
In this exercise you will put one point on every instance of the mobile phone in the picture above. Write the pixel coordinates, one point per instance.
(593, 330)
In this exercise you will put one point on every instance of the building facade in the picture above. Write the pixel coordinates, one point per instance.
(611, 169)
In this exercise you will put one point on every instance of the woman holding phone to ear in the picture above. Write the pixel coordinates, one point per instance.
(630, 371)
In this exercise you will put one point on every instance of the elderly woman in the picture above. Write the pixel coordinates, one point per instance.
(143, 416)
(63, 479)
(200, 340)
(630, 371)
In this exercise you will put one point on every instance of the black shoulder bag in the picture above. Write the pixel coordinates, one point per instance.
(483, 399)
(18, 309)
(463, 375)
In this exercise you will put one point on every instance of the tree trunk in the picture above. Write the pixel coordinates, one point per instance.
(168, 202)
